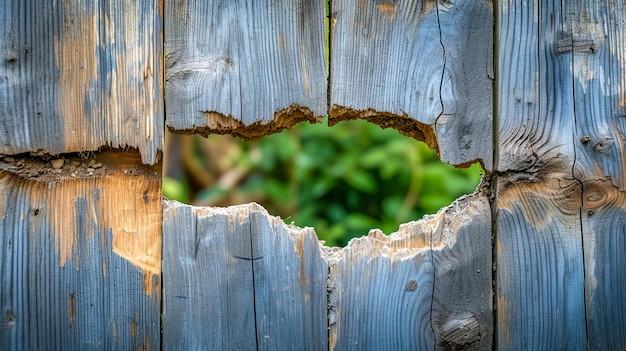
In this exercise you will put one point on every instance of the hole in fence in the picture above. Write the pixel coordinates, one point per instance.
(342, 180)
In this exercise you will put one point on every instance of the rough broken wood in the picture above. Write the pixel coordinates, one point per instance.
(80, 255)
(413, 289)
(237, 278)
(78, 78)
(246, 68)
(421, 67)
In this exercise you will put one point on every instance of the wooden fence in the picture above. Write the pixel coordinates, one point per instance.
(91, 257)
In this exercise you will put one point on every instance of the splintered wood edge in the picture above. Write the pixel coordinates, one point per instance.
(217, 123)
(404, 124)
(410, 239)
(432, 232)
(123, 195)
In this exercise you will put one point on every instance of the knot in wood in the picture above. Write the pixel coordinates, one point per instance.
(600, 193)
(460, 331)
(604, 145)
(9, 319)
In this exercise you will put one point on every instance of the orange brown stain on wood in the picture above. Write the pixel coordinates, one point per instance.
(281, 40)
(127, 206)
(133, 323)
(402, 123)
(146, 345)
(217, 123)
(598, 194)
(121, 102)
(504, 317)
(300, 245)
(72, 308)
(387, 9)
(541, 203)
(303, 277)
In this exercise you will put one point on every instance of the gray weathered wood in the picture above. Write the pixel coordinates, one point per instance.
(426, 287)
(597, 37)
(604, 228)
(540, 278)
(421, 67)
(540, 272)
(247, 68)
(80, 257)
(237, 278)
(81, 77)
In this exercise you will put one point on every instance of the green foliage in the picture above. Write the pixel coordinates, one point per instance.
(342, 180)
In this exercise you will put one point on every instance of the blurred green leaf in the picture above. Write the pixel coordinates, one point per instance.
(175, 190)
(343, 181)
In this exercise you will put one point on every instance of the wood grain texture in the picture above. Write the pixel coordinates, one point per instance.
(604, 224)
(247, 68)
(237, 278)
(421, 67)
(540, 265)
(597, 38)
(560, 202)
(81, 258)
(540, 274)
(425, 287)
(81, 77)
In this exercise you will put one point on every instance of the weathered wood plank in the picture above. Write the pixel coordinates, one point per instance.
(247, 68)
(604, 226)
(237, 278)
(421, 67)
(208, 287)
(540, 274)
(597, 38)
(426, 287)
(80, 256)
(81, 77)
(540, 277)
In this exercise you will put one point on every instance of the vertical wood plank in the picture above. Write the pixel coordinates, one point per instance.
(290, 285)
(604, 225)
(266, 290)
(247, 68)
(426, 287)
(540, 275)
(597, 39)
(81, 256)
(208, 287)
(78, 77)
(421, 67)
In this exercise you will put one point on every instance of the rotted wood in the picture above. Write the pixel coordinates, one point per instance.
(425, 287)
(424, 68)
(246, 68)
(78, 78)
(237, 278)
(80, 254)
(598, 34)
